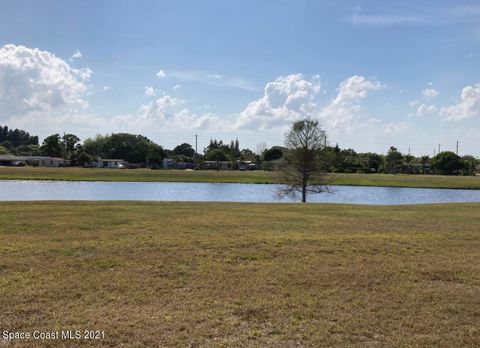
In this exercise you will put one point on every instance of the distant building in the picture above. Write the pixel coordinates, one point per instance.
(218, 165)
(40, 161)
(107, 163)
(49, 161)
(246, 165)
(169, 163)
(9, 160)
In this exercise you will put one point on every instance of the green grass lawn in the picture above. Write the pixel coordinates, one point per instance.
(254, 177)
(177, 274)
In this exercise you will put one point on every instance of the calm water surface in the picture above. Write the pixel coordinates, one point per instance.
(142, 191)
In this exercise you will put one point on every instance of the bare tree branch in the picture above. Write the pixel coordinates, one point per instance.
(301, 170)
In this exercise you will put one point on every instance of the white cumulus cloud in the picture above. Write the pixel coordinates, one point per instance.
(165, 112)
(468, 106)
(285, 100)
(424, 110)
(430, 93)
(395, 127)
(161, 74)
(35, 81)
(414, 103)
(338, 114)
(150, 91)
(76, 55)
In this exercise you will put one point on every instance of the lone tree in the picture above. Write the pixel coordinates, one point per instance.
(302, 165)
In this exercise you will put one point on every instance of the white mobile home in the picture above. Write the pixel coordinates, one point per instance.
(48, 161)
(41, 161)
(108, 163)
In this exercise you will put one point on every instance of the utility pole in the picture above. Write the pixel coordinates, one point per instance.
(433, 152)
(64, 150)
(457, 147)
(196, 151)
(409, 150)
(438, 148)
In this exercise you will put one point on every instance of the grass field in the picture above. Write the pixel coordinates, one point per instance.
(173, 274)
(254, 177)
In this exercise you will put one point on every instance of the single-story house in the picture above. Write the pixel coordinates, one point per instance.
(219, 165)
(41, 161)
(245, 165)
(10, 160)
(108, 163)
(169, 163)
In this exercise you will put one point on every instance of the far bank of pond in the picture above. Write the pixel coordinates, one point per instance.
(16, 190)
(251, 177)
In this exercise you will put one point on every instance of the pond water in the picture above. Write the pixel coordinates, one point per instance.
(143, 191)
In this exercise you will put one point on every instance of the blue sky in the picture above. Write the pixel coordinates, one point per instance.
(374, 73)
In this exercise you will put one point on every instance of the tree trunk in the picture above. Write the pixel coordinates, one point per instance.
(304, 188)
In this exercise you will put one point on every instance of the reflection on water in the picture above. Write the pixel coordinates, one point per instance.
(142, 191)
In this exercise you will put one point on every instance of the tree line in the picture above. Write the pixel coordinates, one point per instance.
(16, 137)
(143, 152)
(337, 160)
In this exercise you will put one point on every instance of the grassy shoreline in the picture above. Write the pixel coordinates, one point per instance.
(207, 274)
(254, 177)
